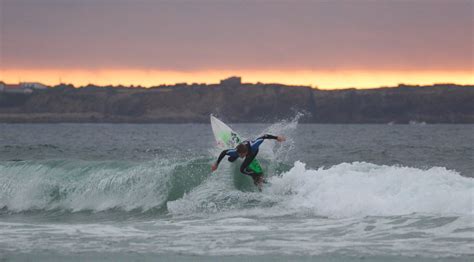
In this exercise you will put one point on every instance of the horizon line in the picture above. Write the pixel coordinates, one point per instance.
(359, 79)
(240, 84)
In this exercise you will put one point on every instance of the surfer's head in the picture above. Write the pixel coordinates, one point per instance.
(242, 150)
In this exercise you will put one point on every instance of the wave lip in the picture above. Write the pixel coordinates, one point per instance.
(364, 189)
(83, 185)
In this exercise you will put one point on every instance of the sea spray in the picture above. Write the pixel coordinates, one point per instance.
(364, 189)
(280, 152)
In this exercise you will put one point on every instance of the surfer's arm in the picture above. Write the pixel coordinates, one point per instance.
(256, 143)
(268, 136)
(221, 156)
(278, 138)
(216, 164)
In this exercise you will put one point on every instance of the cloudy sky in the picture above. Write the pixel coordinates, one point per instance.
(329, 44)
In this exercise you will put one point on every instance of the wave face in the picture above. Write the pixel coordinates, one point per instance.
(95, 186)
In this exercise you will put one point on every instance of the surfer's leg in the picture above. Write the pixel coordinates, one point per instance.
(257, 177)
(258, 180)
(243, 168)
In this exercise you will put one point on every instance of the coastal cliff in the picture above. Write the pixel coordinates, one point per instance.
(183, 103)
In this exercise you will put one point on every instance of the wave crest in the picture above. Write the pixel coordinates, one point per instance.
(95, 186)
(364, 189)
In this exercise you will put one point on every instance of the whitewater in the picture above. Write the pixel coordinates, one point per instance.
(335, 192)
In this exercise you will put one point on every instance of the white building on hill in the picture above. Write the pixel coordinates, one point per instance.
(14, 89)
(33, 85)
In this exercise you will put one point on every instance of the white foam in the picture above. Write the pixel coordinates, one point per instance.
(364, 189)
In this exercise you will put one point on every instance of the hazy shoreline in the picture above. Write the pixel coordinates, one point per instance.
(241, 103)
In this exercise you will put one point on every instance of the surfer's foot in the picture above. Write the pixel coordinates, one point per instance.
(258, 181)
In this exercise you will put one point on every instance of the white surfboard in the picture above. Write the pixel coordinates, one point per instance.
(228, 138)
(224, 135)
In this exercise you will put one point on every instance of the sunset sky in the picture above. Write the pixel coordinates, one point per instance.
(328, 44)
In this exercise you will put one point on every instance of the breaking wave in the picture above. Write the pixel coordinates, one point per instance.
(362, 189)
(95, 186)
(189, 188)
(186, 187)
(344, 190)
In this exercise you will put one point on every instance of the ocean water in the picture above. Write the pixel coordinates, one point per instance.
(121, 192)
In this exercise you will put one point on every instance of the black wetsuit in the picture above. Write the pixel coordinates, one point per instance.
(252, 149)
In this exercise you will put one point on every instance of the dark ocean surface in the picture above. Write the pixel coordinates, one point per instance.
(120, 192)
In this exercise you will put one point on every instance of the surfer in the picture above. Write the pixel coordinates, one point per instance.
(247, 149)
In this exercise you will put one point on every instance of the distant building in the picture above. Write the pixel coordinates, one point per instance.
(33, 85)
(15, 89)
(232, 81)
(21, 88)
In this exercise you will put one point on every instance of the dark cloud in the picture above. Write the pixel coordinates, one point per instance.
(189, 35)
